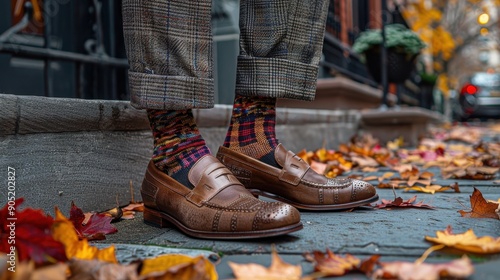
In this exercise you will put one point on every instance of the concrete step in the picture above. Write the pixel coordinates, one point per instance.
(87, 151)
(409, 122)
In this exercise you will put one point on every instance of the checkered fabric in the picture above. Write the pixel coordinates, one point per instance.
(169, 46)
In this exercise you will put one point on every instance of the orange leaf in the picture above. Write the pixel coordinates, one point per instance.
(277, 271)
(466, 241)
(370, 178)
(330, 264)
(428, 189)
(174, 266)
(64, 232)
(461, 268)
(400, 203)
(481, 208)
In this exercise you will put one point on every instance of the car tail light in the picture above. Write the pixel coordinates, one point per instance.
(469, 89)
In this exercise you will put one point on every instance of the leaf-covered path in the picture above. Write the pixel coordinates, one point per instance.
(395, 234)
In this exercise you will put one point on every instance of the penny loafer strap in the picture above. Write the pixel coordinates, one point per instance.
(209, 177)
(293, 167)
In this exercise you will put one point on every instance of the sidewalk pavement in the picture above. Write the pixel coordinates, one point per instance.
(396, 234)
(67, 149)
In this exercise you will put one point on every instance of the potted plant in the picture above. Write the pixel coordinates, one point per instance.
(403, 46)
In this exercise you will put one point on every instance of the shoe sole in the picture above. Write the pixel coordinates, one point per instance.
(161, 219)
(315, 207)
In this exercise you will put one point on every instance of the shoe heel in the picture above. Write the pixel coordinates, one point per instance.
(154, 218)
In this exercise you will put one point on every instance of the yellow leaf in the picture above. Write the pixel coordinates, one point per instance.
(426, 175)
(279, 270)
(370, 178)
(466, 241)
(64, 232)
(369, 169)
(174, 266)
(428, 189)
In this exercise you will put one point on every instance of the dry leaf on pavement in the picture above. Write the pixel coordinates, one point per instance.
(330, 264)
(481, 208)
(433, 188)
(64, 232)
(279, 270)
(33, 238)
(94, 227)
(469, 173)
(458, 269)
(398, 202)
(28, 270)
(177, 267)
(466, 241)
(100, 270)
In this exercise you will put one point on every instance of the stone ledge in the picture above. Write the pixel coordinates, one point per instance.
(340, 93)
(409, 122)
(73, 149)
(403, 115)
(34, 114)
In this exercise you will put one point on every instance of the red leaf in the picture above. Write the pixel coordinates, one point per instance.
(398, 202)
(32, 236)
(94, 227)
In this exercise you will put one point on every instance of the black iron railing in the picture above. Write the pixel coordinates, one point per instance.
(88, 68)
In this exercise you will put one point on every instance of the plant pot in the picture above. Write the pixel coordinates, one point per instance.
(399, 65)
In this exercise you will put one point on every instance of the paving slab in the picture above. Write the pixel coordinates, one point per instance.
(396, 234)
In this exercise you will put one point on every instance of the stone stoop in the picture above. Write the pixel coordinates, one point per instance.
(340, 93)
(87, 151)
(409, 122)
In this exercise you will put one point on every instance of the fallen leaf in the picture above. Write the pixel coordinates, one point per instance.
(64, 231)
(426, 175)
(318, 167)
(100, 270)
(470, 173)
(173, 267)
(461, 268)
(364, 161)
(371, 169)
(115, 213)
(97, 226)
(279, 270)
(28, 270)
(137, 207)
(466, 241)
(370, 178)
(481, 208)
(390, 185)
(431, 189)
(33, 238)
(330, 264)
(398, 202)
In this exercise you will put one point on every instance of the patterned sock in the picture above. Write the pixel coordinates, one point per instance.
(178, 143)
(252, 128)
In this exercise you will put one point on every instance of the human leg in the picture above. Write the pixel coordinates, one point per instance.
(169, 48)
(280, 48)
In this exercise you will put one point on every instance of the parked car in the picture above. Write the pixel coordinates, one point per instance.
(479, 97)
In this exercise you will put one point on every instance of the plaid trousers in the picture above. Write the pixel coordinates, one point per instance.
(169, 48)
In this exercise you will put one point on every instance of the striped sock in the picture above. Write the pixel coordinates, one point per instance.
(252, 128)
(178, 143)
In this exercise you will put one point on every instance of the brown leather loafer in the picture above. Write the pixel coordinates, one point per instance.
(219, 207)
(296, 183)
